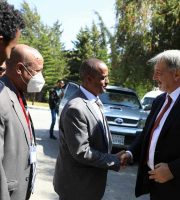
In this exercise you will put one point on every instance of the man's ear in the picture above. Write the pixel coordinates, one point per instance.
(19, 68)
(89, 78)
(177, 75)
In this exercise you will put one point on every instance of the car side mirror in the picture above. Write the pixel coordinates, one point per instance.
(147, 107)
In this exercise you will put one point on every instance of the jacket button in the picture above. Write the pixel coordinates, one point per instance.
(27, 178)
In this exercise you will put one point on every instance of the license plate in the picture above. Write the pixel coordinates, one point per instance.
(118, 139)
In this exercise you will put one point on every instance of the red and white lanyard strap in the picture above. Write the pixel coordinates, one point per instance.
(27, 117)
(25, 114)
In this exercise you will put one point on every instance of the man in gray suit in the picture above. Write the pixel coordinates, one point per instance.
(17, 138)
(85, 142)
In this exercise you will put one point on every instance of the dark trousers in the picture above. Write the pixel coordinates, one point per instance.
(153, 197)
(53, 115)
(153, 189)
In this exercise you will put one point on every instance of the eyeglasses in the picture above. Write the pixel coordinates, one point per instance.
(2, 69)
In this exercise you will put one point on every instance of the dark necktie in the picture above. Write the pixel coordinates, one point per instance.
(157, 123)
(106, 131)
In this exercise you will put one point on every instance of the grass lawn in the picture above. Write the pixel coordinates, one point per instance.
(38, 104)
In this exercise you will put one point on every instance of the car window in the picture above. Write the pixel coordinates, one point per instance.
(70, 90)
(148, 100)
(122, 98)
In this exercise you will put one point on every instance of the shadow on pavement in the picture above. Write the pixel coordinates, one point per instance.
(50, 146)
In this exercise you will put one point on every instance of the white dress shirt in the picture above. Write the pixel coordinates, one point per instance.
(92, 99)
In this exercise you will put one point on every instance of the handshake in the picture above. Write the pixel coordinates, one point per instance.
(125, 158)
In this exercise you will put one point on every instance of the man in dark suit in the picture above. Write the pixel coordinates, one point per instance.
(158, 146)
(17, 138)
(85, 142)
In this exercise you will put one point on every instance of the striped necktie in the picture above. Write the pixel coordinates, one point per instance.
(106, 128)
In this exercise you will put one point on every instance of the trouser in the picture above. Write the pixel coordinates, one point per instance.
(53, 115)
(153, 189)
(153, 197)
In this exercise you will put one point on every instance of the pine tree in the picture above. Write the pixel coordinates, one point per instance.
(47, 40)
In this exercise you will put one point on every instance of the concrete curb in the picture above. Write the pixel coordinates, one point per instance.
(38, 107)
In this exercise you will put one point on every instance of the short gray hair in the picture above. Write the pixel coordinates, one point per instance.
(170, 57)
(89, 67)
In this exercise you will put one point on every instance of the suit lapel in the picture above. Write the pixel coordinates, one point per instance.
(90, 107)
(154, 113)
(92, 110)
(17, 107)
(110, 137)
(170, 118)
(19, 112)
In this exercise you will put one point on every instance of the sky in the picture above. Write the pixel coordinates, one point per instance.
(72, 14)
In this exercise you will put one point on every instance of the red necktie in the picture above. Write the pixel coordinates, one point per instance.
(157, 123)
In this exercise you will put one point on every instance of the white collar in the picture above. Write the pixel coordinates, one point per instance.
(88, 94)
(174, 95)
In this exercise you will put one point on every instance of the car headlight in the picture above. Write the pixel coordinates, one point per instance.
(141, 123)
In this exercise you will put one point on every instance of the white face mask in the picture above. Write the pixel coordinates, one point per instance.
(36, 83)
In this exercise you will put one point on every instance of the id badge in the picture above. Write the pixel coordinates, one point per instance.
(33, 154)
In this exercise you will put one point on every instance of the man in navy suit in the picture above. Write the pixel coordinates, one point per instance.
(158, 146)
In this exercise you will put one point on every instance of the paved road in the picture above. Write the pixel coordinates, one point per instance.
(120, 186)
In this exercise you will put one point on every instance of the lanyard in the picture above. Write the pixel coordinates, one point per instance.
(25, 114)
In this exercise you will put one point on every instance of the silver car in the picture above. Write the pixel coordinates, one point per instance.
(123, 110)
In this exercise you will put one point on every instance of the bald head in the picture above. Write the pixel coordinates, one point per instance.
(24, 54)
(90, 66)
(24, 63)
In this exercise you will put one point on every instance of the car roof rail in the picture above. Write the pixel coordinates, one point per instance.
(69, 80)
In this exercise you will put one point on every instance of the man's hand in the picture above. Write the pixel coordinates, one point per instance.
(62, 94)
(125, 158)
(161, 173)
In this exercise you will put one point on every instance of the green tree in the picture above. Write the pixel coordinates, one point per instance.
(104, 55)
(48, 41)
(82, 50)
(89, 43)
(98, 41)
(143, 29)
(30, 35)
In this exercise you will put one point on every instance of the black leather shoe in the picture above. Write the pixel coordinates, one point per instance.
(53, 137)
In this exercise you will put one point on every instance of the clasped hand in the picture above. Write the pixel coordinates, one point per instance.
(160, 174)
(125, 158)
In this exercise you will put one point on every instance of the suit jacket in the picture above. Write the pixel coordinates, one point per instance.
(15, 168)
(83, 159)
(167, 151)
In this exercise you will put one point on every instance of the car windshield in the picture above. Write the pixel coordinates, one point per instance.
(120, 98)
(148, 101)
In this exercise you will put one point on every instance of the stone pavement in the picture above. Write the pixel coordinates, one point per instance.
(47, 150)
